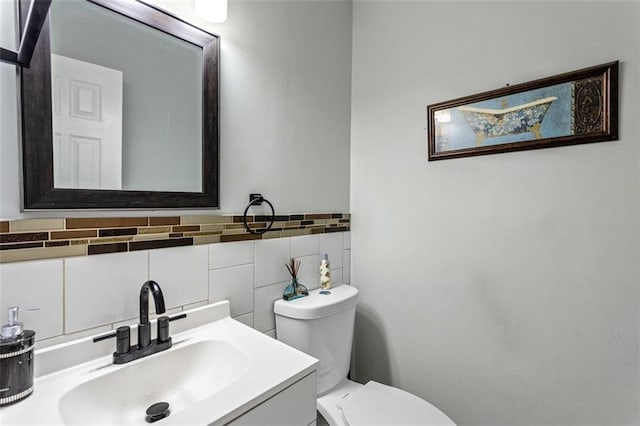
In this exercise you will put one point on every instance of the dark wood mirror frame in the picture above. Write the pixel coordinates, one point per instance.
(29, 35)
(37, 134)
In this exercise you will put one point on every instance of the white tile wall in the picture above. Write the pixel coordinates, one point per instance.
(234, 284)
(346, 266)
(246, 319)
(89, 295)
(36, 284)
(309, 273)
(182, 273)
(336, 276)
(305, 245)
(270, 259)
(103, 289)
(263, 317)
(332, 245)
(230, 254)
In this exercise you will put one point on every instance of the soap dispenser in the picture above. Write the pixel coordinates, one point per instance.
(16, 359)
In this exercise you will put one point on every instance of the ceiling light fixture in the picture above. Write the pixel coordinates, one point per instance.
(211, 10)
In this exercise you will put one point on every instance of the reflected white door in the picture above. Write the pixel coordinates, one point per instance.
(87, 124)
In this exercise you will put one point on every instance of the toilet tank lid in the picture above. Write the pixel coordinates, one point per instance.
(318, 305)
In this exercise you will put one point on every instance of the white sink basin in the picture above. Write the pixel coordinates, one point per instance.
(217, 370)
(181, 377)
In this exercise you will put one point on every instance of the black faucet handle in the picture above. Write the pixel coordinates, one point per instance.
(123, 339)
(163, 329)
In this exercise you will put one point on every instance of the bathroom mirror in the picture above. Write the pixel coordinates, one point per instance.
(119, 109)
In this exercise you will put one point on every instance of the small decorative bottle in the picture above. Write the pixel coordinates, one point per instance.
(325, 275)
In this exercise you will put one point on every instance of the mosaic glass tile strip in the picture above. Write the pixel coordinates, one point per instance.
(118, 232)
(105, 222)
(23, 237)
(31, 239)
(106, 248)
(167, 220)
(18, 246)
(155, 244)
(64, 235)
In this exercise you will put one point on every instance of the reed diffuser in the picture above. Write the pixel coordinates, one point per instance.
(295, 289)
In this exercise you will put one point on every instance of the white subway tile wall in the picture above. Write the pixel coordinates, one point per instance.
(182, 273)
(31, 285)
(234, 284)
(305, 245)
(264, 298)
(309, 273)
(103, 289)
(270, 259)
(230, 254)
(84, 296)
(331, 244)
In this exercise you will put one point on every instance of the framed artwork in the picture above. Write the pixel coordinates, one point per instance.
(567, 109)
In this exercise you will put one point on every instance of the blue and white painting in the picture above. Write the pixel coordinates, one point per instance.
(536, 114)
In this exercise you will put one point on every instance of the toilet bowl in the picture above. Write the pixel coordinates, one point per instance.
(321, 325)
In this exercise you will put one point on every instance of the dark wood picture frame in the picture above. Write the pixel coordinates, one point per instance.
(585, 110)
(37, 136)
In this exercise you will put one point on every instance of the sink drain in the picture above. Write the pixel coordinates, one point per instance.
(157, 411)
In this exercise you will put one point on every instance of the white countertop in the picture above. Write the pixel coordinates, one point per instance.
(271, 367)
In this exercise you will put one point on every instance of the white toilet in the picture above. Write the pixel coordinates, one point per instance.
(321, 325)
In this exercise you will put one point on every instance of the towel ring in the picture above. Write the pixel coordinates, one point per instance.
(256, 200)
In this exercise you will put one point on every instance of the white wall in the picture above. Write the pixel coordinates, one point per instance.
(502, 288)
(284, 101)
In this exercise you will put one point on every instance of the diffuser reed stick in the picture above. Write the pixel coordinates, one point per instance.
(293, 267)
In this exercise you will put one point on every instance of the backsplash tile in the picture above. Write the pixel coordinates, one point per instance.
(107, 248)
(22, 225)
(234, 284)
(105, 222)
(246, 319)
(263, 317)
(102, 262)
(346, 266)
(65, 235)
(36, 284)
(23, 237)
(305, 245)
(156, 244)
(24, 254)
(331, 244)
(182, 273)
(231, 254)
(309, 273)
(103, 289)
(271, 258)
(102, 235)
(166, 220)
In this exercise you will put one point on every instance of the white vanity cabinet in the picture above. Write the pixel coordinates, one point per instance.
(294, 406)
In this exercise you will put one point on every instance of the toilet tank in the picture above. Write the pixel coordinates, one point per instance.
(321, 325)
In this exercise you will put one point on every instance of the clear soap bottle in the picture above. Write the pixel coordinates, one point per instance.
(325, 275)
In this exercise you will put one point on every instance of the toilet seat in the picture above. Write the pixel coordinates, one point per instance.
(378, 404)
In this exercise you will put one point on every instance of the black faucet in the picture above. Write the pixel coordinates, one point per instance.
(144, 330)
(124, 351)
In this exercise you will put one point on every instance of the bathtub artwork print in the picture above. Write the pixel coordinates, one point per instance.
(523, 116)
(514, 118)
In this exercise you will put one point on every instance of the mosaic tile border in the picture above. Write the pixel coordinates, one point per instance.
(31, 239)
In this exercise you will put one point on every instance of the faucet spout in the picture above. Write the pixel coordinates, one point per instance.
(144, 331)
